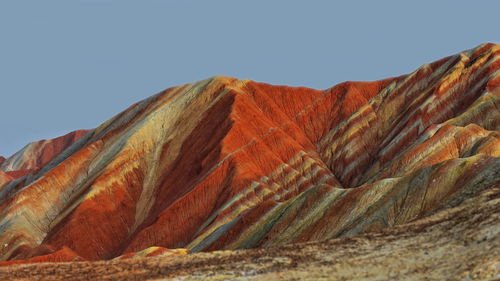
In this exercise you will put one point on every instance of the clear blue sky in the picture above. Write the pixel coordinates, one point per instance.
(72, 64)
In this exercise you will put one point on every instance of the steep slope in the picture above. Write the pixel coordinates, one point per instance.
(231, 164)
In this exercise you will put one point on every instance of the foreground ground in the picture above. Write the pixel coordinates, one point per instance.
(462, 243)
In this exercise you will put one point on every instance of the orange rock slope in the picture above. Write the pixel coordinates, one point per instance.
(230, 164)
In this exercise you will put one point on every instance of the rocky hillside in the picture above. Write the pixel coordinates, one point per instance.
(461, 243)
(226, 164)
(35, 156)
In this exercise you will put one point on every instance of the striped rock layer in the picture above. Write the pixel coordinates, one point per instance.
(231, 164)
(35, 156)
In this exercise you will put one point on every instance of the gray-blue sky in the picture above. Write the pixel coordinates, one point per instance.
(67, 65)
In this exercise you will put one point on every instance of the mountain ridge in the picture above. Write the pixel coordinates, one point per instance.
(233, 164)
(35, 155)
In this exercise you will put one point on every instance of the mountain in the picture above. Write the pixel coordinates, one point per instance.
(35, 156)
(224, 164)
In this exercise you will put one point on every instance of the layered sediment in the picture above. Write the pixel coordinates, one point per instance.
(226, 164)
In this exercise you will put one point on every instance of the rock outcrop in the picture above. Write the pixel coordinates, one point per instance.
(226, 164)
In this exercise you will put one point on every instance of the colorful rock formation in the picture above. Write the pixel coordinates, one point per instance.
(232, 164)
(461, 243)
(35, 156)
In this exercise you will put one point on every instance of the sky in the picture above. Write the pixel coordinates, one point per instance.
(67, 65)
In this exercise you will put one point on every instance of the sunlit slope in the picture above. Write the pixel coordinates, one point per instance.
(226, 164)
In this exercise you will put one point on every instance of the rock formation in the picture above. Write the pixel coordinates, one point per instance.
(461, 243)
(225, 164)
(35, 155)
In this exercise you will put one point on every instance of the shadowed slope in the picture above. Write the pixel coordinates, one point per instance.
(230, 164)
